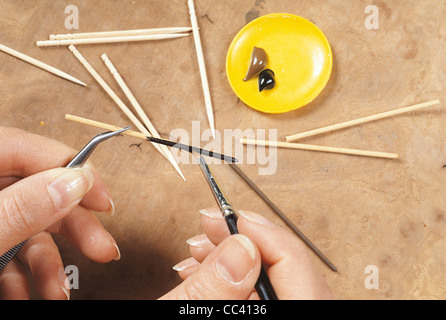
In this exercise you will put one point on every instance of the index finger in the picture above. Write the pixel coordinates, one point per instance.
(291, 268)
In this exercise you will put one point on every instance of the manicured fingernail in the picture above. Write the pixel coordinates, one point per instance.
(111, 212)
(68, 189)
(118, 253)
(236, 260)
(66, 291)
(256, 218)
(200, 241)
(65, 283)
(186, 264)
(212, 213)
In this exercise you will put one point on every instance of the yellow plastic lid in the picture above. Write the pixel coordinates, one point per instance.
(299, 54)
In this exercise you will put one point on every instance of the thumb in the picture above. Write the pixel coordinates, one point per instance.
(35, 203)
(230, 272)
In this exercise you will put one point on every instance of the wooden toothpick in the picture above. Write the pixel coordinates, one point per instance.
(308, 147)
(120, 33)
(361, 121)
(202, 66)
(105, 126)
(52, 43)
(40, 64)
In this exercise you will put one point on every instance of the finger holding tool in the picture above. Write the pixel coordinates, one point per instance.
(263, 286)
(78, 161)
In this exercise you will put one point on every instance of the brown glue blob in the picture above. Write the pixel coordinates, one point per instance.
(259, 60)
(267, 80)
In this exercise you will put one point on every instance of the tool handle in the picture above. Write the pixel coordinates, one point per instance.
(263, 287)
(231, 221)
(8, 256)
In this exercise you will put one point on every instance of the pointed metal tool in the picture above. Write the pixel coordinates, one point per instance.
(86, 152)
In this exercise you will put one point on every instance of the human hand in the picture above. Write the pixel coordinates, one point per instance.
(36, 200)
(224, 267)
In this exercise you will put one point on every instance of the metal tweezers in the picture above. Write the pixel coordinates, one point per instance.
(78, 161)
(263, 286)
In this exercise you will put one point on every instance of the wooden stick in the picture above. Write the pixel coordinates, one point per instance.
(40, 65)
(202, 66)
(140, 111)
(113, 95)
(105, 126)
(120, 33)
(52, 43)
(282, 216)
(361, 120)
(308, 147)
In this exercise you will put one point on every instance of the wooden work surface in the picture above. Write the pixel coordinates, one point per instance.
(358, 211)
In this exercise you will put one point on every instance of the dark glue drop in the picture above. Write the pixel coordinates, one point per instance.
(267, 80)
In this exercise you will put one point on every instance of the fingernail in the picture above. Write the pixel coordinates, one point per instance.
(212, 213)
(236, 260)
(111, 212)
(118, 252)
(66, 291)
(200, 241)
(68, 189)
(65, 283)
(256, 218)
(184, 265)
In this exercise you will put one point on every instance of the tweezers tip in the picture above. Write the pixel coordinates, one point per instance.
(124, 129)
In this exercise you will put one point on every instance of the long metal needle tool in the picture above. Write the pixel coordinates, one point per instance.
(192, 149)
(263, 286)
(142, 136)
(284, 218)
(78, 161)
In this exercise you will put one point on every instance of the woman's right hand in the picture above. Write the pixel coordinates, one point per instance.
(224, 267)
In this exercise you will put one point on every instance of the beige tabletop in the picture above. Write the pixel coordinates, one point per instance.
(359, 211)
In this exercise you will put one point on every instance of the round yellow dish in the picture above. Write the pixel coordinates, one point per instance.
(298, 53)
